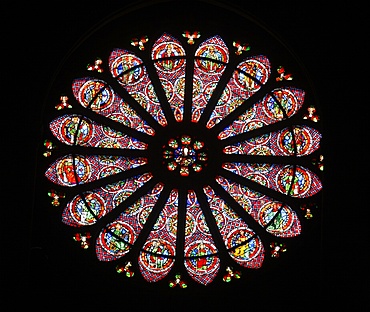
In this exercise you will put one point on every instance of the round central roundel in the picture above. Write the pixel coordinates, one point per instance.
(185, 154)
(187, 146)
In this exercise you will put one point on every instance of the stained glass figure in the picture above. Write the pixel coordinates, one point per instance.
(182, 158)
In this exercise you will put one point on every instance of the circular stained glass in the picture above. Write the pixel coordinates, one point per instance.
(185, 152)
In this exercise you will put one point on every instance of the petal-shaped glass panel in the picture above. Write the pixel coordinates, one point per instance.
(295, 140)
(160, 247)
(130, 72)
(72, 170)
(155, 263)
(102, 99)
(243, 245)
(74, 129)
(246, 80)
(201, 262)
(272, 108)
(88, 207)
(170, 65)
(116, 238)
(211, 58)
(292, 180)
(275, 216)
(166, 224)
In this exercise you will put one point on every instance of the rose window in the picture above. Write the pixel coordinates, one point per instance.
(184, 158)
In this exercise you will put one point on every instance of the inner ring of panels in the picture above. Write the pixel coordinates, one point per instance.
(179, 155)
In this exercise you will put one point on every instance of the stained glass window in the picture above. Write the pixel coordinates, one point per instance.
(186, 156)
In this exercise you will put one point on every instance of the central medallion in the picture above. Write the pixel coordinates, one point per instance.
(185, 154)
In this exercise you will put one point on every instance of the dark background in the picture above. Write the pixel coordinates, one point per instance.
(330, 271)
